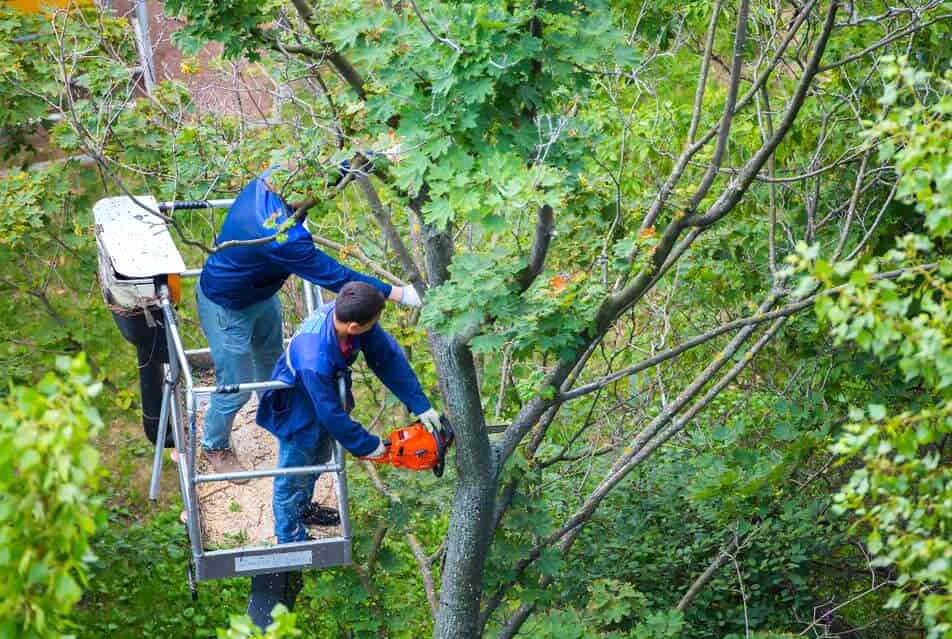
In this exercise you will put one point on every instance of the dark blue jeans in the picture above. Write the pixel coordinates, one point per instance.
(292, 493)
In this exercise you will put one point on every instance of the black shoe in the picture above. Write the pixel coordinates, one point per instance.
(317, 515)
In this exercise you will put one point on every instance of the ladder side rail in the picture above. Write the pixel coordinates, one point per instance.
(343, 505)
(161, 434)
(180, 369)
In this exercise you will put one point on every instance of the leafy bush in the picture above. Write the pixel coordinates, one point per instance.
(48, 470)
(242, 628)
(902, 490)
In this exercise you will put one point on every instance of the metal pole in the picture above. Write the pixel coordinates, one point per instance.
(268, 472)
(244, 387)
(343, 507)
(308, 296)
(179, 369)
(160, 436)
(144, 42)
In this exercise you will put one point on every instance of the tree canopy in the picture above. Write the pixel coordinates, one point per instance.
(686, 281)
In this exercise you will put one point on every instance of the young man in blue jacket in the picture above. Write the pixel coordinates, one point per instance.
(307, 416)
(239, 310)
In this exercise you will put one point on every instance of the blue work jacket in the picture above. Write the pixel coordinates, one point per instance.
(240, 276)
(313, 362)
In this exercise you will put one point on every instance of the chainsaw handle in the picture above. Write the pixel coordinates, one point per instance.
(444, 438)
(383, 459)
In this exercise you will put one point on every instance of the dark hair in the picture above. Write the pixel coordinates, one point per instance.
(358, 302)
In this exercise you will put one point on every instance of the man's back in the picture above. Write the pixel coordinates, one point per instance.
(239, 276)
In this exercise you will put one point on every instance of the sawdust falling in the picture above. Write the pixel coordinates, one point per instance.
(235, 515)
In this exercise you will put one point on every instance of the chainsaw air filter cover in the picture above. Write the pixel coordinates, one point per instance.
(413, 447)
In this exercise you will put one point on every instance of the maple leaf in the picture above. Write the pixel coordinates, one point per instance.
(558, 283)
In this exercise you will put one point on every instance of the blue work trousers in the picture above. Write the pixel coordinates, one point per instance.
(245, 345)
(292, 493)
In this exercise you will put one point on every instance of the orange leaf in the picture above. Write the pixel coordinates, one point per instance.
(558, 283)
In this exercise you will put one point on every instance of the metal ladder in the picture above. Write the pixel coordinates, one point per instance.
(179, 406)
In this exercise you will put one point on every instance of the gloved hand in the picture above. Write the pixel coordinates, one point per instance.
(409, 296)
(378, 453)
(430, 419)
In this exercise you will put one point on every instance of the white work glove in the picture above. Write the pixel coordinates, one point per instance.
(379, 451)
(430, 419)
(410, 297)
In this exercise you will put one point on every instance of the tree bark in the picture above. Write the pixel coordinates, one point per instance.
(472, 512)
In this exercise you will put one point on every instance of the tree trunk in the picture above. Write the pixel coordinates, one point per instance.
(462, 578)
(471, 517)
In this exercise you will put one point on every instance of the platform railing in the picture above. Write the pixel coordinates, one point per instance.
(178, 383)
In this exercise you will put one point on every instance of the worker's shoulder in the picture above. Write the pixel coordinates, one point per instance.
(310, 352)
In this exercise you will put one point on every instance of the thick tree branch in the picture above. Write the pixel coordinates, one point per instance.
(545, 226)
(569, 531)
(339, 62)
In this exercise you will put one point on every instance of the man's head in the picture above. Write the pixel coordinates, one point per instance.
(357, 308)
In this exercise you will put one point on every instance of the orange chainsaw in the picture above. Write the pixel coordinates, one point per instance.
(415, 448)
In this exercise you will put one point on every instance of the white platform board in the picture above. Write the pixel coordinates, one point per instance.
(136, 241)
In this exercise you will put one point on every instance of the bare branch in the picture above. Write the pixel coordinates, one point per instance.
(713, 568)
(724, 129)
(702, 76)
(881, 43)
(382, 217)
(666, 189)
(734, 191)
(362, 257)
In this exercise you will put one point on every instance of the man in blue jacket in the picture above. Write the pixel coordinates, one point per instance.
(305, 417)
(239, 310)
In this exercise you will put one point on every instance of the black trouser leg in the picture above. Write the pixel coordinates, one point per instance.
(152, 354)
(269, 590)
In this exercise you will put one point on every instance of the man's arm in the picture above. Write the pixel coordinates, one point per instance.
(300, 257)
(388, 362)
(323, 393)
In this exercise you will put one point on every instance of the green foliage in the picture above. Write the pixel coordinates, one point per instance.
(496, 121)
(30, 78)
(914, 134)
(235, 23)
(902, 491)
(137, 584)
(48, 476)
(282, 627)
